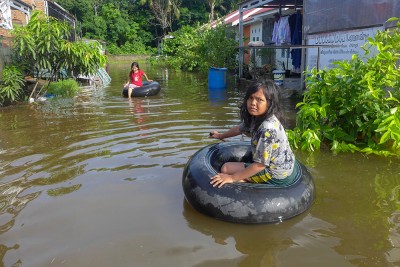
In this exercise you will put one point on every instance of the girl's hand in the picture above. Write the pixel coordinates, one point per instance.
(150, 81)
(220, 179)
(215, 134)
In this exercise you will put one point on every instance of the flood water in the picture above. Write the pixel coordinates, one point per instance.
(96, 181)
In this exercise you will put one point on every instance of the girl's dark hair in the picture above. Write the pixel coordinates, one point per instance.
(271, 93)
(135, 64)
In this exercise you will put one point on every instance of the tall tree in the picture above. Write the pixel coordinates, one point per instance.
(141, 23)
(165, 11)
(96, 5)
(212, 4)
(79, 8)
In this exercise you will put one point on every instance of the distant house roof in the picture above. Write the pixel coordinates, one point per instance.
(248, 15)
(260, 13)
(276, 4)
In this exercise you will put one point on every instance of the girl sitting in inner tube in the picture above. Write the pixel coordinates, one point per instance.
(135, 78)
(273, 159)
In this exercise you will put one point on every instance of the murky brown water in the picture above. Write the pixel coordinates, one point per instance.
(96, 181)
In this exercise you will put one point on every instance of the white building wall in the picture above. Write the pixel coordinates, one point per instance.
(256, 32)
(256, 35)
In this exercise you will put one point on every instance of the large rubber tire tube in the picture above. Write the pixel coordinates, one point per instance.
(243, 202)
(148, 89)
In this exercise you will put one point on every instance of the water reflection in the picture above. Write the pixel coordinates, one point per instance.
(252, 241)
(362, 187)
(290, 243)
(217, 96)
(138, 110)
(387, 188)
(12, 202)
(4, 250)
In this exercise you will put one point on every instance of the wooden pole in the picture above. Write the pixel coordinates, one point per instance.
(34, 88)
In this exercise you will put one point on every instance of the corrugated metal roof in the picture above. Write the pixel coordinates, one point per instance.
(270, 3)
(233, 18)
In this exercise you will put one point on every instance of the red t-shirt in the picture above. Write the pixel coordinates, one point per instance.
(136, 77)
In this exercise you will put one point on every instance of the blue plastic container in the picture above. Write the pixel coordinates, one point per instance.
(279, 76)
(217, 78)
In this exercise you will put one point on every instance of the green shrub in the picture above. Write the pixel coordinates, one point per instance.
(11, 88)
(64, 88)
(182, 51)
(354, 106)
(200, 48)
(42, 47)
(219, 47)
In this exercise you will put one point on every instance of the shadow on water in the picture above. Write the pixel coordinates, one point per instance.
(96, 181)
(253, 242)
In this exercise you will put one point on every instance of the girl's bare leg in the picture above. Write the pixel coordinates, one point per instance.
(129, 91)
(233, 167)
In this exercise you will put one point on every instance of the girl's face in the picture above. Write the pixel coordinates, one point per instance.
(257, 104)
(135, 68)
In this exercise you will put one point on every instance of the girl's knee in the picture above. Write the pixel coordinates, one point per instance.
(232, 167)
(224, 168)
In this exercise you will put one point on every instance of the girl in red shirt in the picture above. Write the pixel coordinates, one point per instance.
(135, 78)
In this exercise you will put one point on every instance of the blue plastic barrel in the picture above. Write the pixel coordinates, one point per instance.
(217, 78)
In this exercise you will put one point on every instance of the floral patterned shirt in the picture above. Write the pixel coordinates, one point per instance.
(270, 146)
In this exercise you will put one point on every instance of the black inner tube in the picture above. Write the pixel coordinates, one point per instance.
(237, 154)
(243, 202)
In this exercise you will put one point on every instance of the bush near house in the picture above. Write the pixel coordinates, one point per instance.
(198, 49)
(42, 46)
(63, 88)
(11, 86)
(354, 106)
(41, 49)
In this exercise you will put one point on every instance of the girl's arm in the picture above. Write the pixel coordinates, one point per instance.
(129, 80)
(144, 74)
(230, 133)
